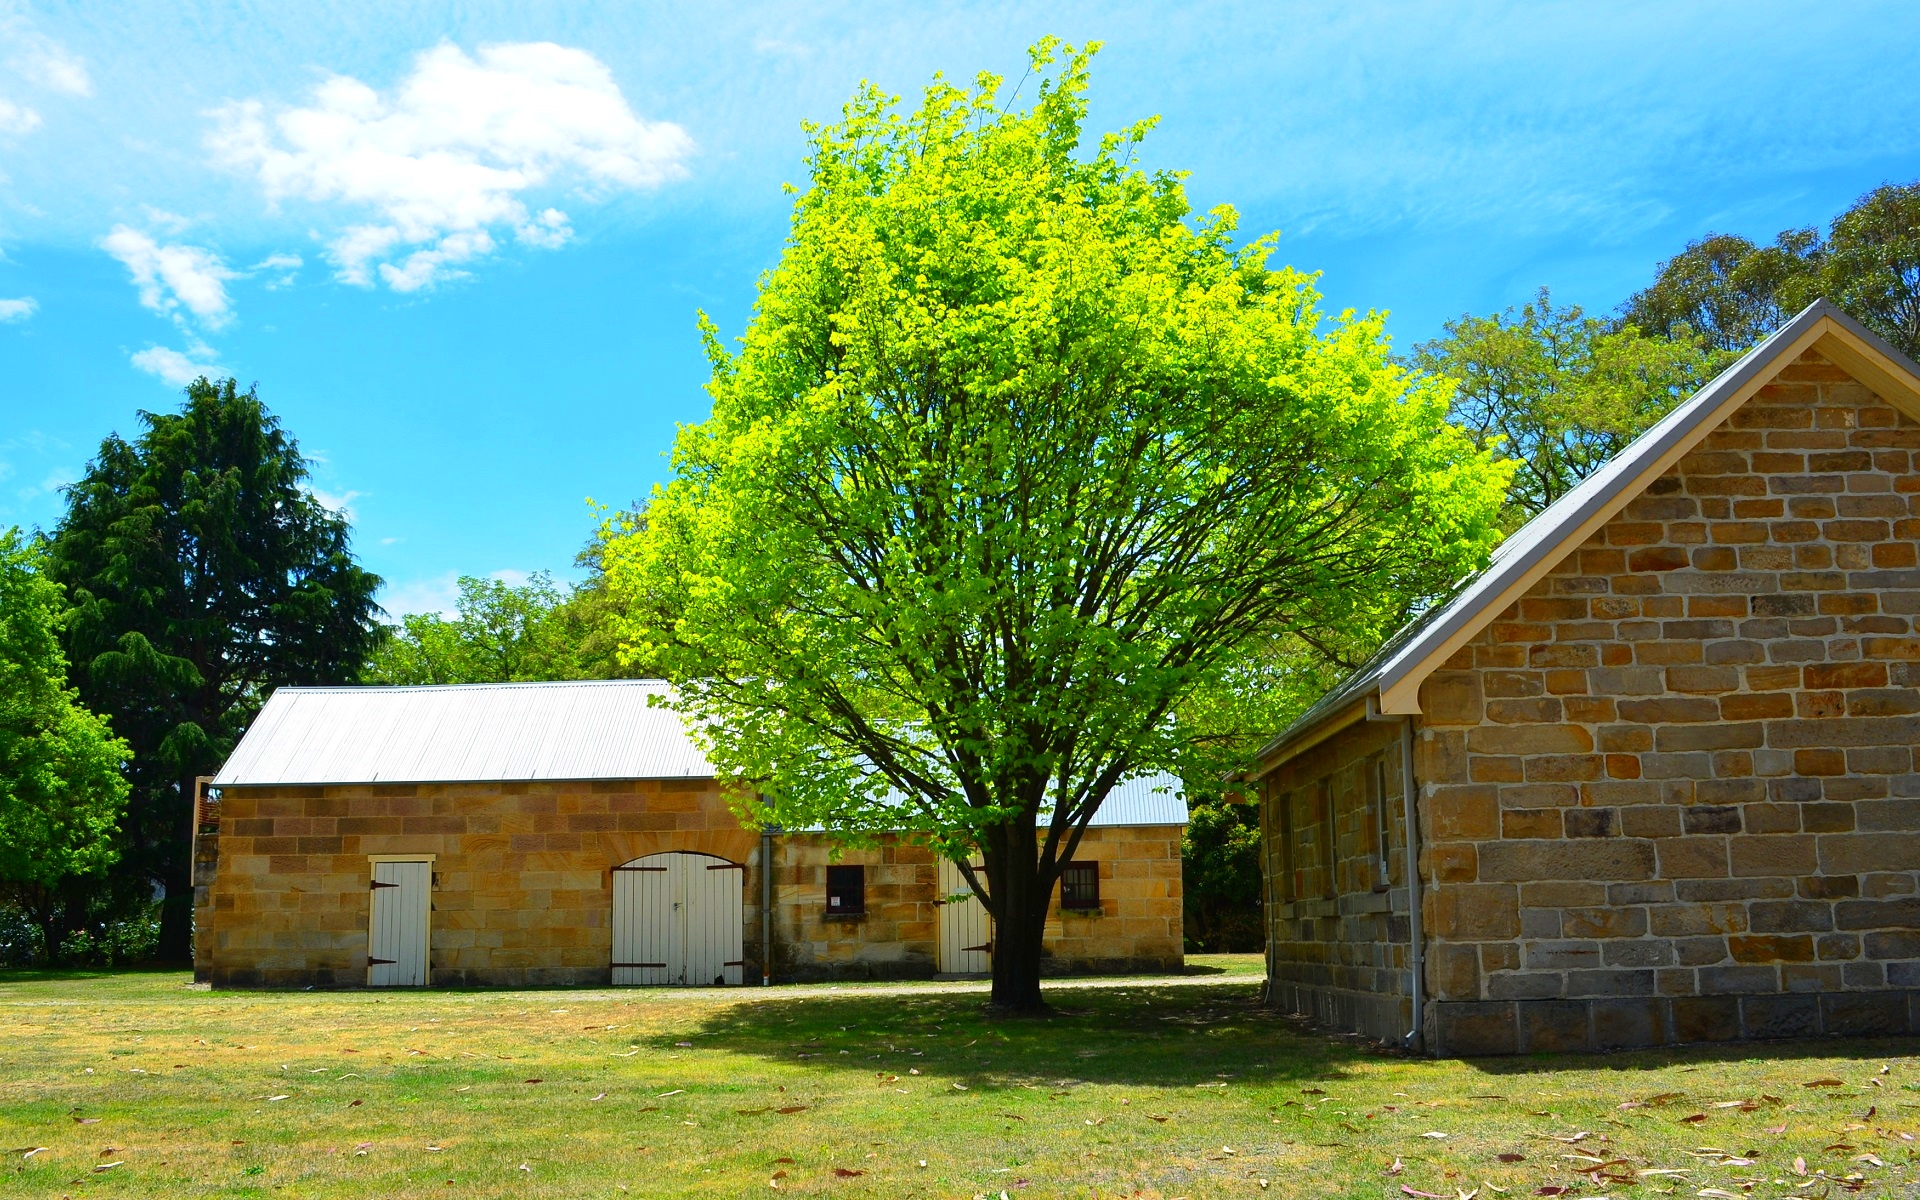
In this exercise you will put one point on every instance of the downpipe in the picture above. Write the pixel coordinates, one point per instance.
(1416, 1038)
(766, 904)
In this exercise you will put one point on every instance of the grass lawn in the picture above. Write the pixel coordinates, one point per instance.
(1152, 1090)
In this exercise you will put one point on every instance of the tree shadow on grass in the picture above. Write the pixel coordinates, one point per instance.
(1191, 1036)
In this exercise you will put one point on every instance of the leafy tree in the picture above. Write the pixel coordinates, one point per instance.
(61, 791)
(204, 574)
(1013, 461)
(1870, 264)
(1726, 291)
(1559, 392)
(502, 633)
(1732, 292)
(1220, 866)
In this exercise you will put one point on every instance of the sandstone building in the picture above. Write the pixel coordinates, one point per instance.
(1657, 761)
(570, 833)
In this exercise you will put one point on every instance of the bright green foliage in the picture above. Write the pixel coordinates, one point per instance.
(204, 574)
(1014, 459)
(502, 633)
(61, 790)
(1558, 392)
(1733, 292)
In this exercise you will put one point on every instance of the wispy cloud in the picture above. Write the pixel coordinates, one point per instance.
(46, 62)
(340, 502)
(173, 276)
(445, 162)
(17, 119)
(18, 309)
(436, 594)
(175, 368)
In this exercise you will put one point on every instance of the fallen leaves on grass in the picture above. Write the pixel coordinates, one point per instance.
(1156, 1117)
(1395, 1167)
(109, 1166)
(1511, 1157)
(1433, 1133)
(847, 1172)
(674, 1092)
(1410, 1190)
(790, 1109)
(1823, 1083)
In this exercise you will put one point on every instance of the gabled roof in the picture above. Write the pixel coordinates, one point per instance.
(1390, 681)
(489, 732)
(521, 733)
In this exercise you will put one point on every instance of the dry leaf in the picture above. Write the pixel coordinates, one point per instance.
(1303, 1091)
(1571, 1138)
(779, 1174)
(1011, 1116)
(1511, 1157)
(271, 1099)
(1824, 1083)
(1717, 1194)
(1776, 1129)
(1551, 1189)
(1096, 1121)
(536, 1081)
(601, 1096)
(1433, 1133)
(749, 1112)
(674, 1092)
(1695, 1119)
(1407, 1189)
(355, 1103)
(959, 1087)
(847, 1172)
(1869, 1158)
(1666, 1097)
(1157, 1117)
(1395, 1167)
(790, 1109)
(109, 1166)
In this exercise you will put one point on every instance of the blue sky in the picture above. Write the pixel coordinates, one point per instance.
(460, 247)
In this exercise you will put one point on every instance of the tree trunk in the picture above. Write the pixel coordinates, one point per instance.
(176, 906)
(1020, 918)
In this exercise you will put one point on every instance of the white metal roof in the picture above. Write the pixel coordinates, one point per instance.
(1407, 657)
(520, 732)
(601, 729)
(1156, 799)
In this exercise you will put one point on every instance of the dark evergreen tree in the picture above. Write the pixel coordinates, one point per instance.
(203, 574)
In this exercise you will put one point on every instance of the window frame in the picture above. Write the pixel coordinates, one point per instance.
(1383, 824)
(857, 872)
(1088, 873)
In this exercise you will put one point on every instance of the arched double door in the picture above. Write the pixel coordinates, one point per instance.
(677, 921)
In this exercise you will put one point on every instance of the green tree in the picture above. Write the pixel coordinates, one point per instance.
(1015, 459)
(203, 574)
(1870, 264)
(61, 791)
(1559, 392)
(502, 633)
(1220, 875)
(1731, 292)
(1726, 292)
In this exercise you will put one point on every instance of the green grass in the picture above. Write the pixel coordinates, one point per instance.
(586, 1093)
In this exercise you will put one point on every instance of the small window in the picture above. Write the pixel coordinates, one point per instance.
(1080, 887)
(846, 891)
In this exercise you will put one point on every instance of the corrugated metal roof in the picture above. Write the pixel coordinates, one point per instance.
(601, 729)
(520, 732)
(1157, 799)
(1550, 534)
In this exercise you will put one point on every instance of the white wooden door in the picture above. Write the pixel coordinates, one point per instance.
(398, 927)
(677, 919)
(966, 929)
(644, 921)
(716, 892)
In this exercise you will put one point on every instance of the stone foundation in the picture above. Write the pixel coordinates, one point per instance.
(1466, 1028)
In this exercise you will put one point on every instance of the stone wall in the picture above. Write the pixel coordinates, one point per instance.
(1137, 928)
(523, 886)
(522, 876)
(1670, 794)
(1338, 942)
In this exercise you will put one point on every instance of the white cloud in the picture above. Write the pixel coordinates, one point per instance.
(48, 63)
(436, 595)
(173, 367)
(171, 276)
(450, 156)
(283, 267)
(19, 309)
(511, 576)
(16, 119)
(339, 502)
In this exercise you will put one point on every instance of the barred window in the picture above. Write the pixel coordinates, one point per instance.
(846, 891)
(1080, 886)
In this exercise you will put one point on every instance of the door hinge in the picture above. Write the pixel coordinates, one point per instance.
(619, 965)
(379, 884)
(380, 962)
